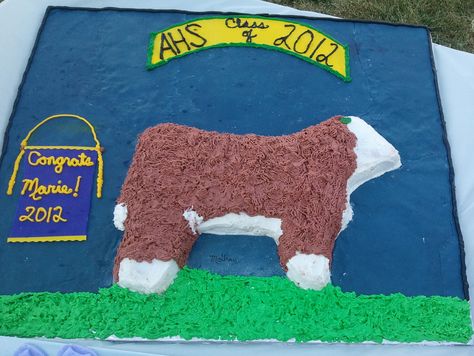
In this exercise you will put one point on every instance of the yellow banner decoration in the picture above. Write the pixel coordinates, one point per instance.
(294, 38)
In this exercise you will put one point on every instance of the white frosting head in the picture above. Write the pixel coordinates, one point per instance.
(375, 155)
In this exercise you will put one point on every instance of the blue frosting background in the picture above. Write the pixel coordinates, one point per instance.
(92, 63)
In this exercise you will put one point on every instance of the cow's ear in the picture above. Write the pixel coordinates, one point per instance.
(375, 155)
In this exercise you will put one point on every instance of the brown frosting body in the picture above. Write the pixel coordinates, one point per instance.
(300, 178)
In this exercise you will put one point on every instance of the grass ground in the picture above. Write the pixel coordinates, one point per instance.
(204, 305)
(451, 21)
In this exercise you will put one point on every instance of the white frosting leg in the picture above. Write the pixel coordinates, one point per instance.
(120, 214)
(147, 277)
(309, 271)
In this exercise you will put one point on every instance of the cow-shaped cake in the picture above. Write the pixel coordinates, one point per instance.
(185, 181)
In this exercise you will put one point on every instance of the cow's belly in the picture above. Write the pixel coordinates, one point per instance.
(237, 224)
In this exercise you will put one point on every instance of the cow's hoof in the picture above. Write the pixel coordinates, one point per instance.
(309, 271)
(147, 277)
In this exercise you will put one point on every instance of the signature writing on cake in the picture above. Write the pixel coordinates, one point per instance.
(217, 259)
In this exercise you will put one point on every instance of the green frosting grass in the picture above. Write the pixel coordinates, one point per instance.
(204, 305)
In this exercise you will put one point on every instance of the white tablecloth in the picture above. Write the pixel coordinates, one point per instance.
(19, 23)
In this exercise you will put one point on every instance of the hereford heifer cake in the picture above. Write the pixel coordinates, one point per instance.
(229, 177)
(293, 188)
